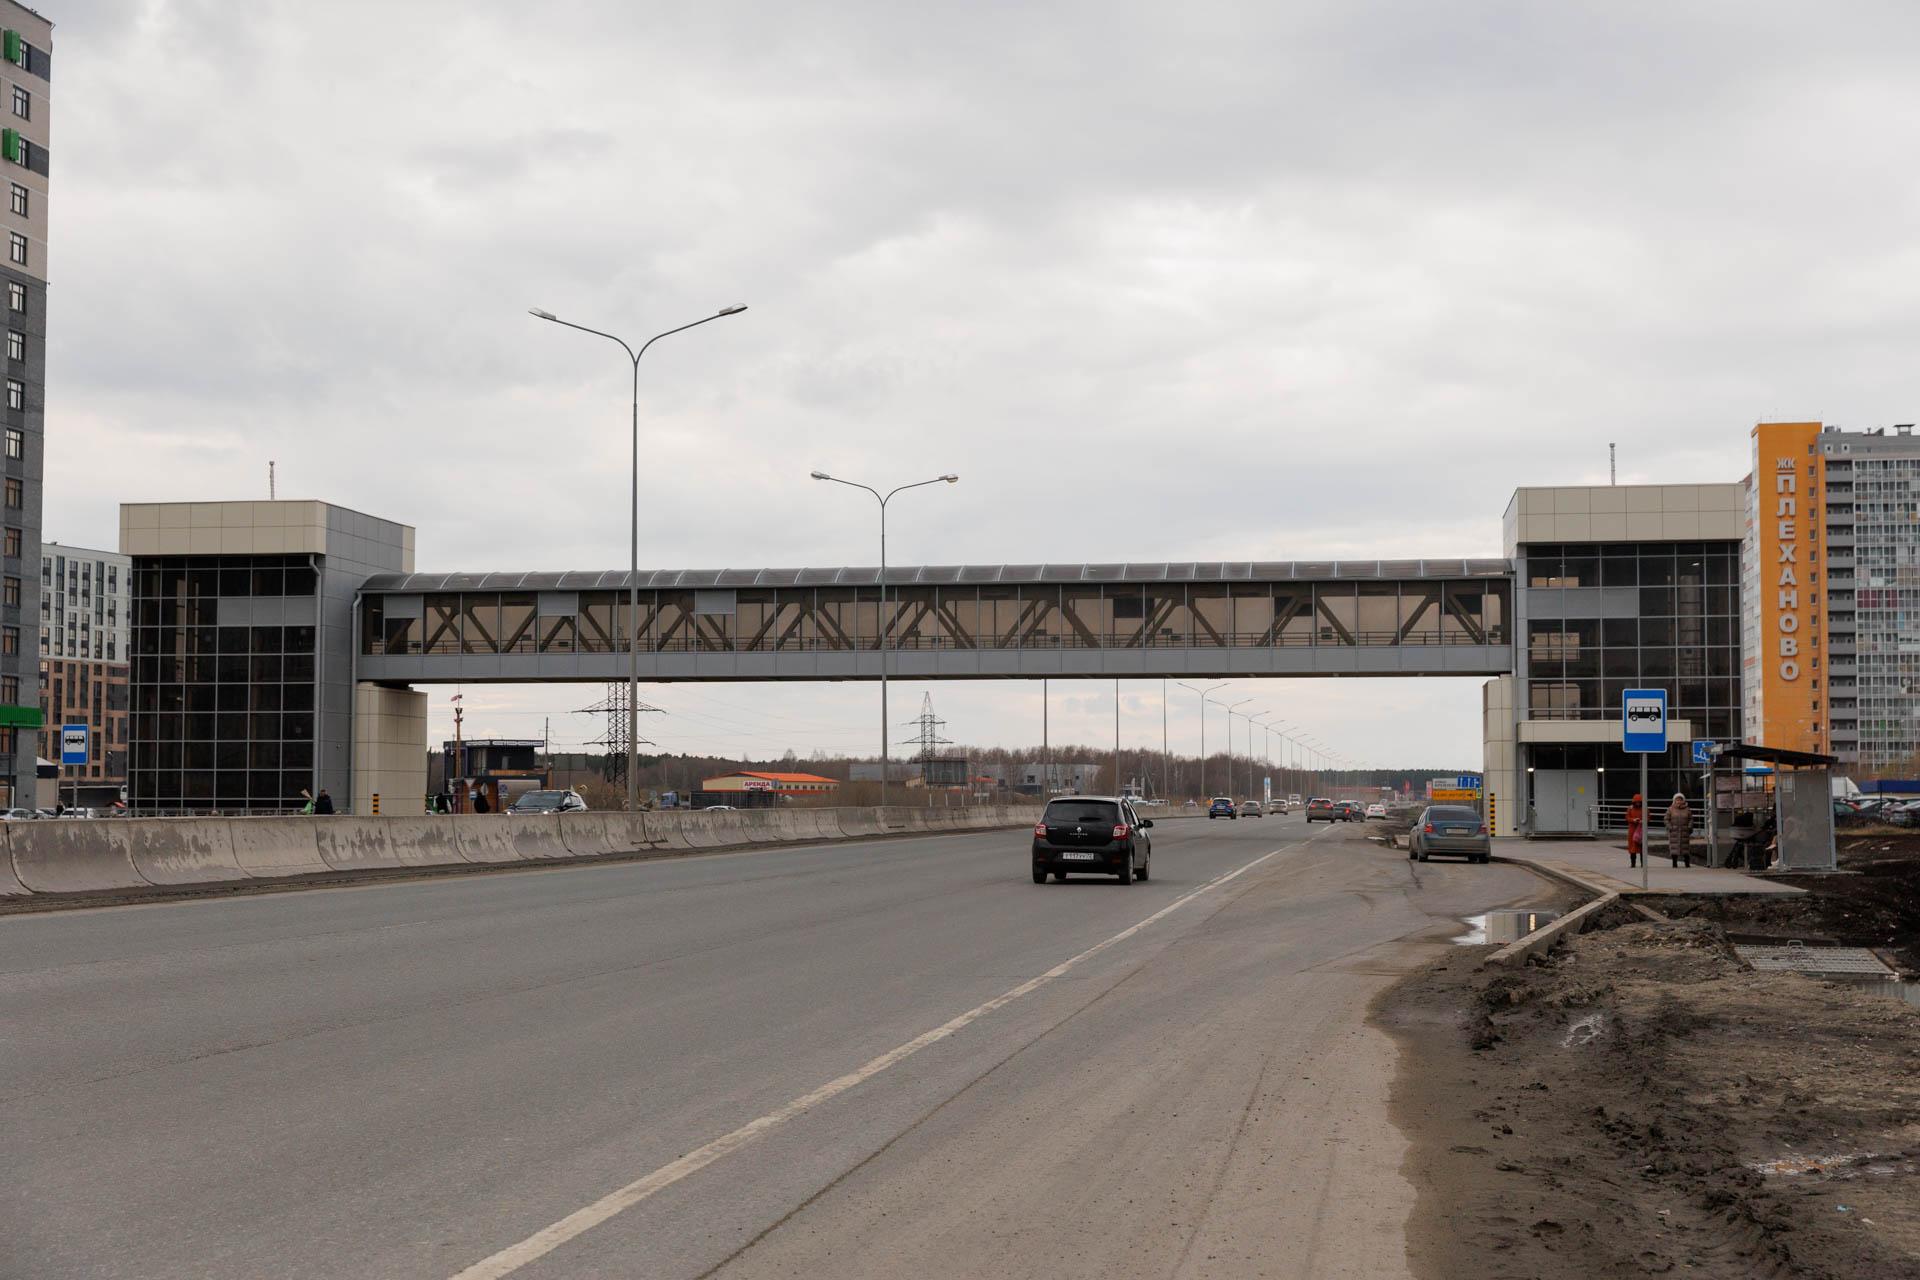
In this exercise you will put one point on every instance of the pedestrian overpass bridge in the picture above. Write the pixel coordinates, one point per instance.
(1280, 618)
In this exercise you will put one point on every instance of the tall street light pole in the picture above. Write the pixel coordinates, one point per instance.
(1203, 725)
(1251, 721)
(886, 626)
(1230, 711)
(633, 582)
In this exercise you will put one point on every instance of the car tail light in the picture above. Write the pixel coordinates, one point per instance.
(1119, 831)
(1483, 828)
(1429, 828)
(1040, 830)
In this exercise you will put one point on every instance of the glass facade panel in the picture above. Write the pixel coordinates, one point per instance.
(209, 720)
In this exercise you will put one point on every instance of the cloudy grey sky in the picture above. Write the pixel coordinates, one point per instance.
(1275, 280)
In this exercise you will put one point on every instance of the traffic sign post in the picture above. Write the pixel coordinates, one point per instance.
(73, 749)
(1643, 731)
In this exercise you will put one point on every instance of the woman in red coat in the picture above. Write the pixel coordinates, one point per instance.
(1636, 830)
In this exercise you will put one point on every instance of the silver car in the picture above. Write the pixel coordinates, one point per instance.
(1450, 830)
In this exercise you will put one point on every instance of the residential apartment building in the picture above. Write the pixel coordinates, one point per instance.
(26, 41)
(85, 601)
(1832, 624)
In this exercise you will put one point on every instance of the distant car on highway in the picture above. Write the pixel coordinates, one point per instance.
(1321, 809)
(1092, 835)
(1222, 807)
(1250, 809)
(1452, 830)
(548, 802)
(1376, 810)
(718, 808)
(1351, 811)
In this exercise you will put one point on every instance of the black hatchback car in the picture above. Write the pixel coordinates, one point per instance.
(1091, 835)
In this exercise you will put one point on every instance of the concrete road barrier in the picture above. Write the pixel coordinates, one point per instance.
(537, 836)
(856, 824)
(662, 830)
(591, 835)
(483, 837)
(71, 855)
(130, 855)
(371, 844)
(182, 850)
(272, 848)
(10, 886)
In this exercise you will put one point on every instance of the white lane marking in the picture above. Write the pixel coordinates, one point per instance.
(580, 1221)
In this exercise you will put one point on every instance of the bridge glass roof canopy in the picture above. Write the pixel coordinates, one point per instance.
(936, 575)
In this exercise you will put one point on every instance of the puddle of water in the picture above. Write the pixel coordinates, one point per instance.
(1898, 988)
(1506, 925)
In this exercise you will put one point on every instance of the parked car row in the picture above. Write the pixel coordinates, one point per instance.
(1894, 810)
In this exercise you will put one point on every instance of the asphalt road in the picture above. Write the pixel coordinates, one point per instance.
(751, 1064)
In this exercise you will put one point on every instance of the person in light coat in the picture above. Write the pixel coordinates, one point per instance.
(1680, 831)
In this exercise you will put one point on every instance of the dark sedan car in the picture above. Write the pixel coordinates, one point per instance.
(1321, 809)
(1091, 835)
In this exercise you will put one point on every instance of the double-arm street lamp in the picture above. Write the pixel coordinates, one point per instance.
(1203, 726)
(633, 584)
(886, 624)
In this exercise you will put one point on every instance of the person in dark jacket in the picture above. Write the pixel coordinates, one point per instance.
(323, 804)
(480, 804)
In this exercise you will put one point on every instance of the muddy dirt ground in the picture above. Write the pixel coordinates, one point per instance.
(1642, 1104)
(1877, 906)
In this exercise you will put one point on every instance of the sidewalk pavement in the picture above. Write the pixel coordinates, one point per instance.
(1603, 864)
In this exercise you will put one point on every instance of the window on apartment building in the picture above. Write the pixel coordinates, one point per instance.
(15, 494)
(17, 248)
(16, 345)
(10, 690)
(22, 103)
(16, 297)
(16, 394)
(18, 200)
(13, 540)
(16, 443)
(10, 591)
(9, 641)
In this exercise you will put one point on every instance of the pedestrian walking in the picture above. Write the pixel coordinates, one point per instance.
(1636, 830)
(1680, 831)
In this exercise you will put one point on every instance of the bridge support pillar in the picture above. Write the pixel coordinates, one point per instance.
(389, 749)
(1500, 756)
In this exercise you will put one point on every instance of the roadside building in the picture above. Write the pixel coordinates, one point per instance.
(243, 692)
(500, 768)
(756, 789)
(84, 668)
(1070, 776)
(1616, 587)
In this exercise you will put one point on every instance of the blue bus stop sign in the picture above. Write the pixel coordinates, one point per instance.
(73, 744)
(1643, 720)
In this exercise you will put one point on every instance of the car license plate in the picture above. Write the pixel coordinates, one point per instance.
(1080, 855)
(1457, 831)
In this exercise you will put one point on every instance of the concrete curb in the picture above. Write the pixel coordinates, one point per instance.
(1587, 886)
(1515, 954)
